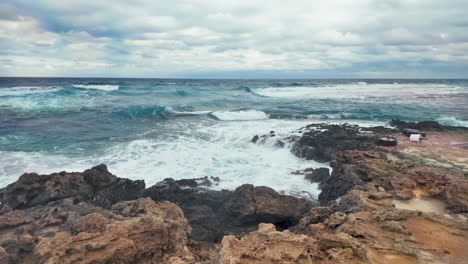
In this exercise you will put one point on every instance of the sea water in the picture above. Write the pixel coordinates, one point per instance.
(153, 129)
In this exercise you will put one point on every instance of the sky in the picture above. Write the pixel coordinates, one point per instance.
(234, 39)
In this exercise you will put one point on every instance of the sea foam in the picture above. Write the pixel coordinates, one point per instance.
(102, 87)
(240, 115)
(222, 150)
(27, 90)
(363, 91)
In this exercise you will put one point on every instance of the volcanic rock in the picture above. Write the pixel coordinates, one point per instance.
(96, 185)
(323, 142)
(215, 213)
(138, 231)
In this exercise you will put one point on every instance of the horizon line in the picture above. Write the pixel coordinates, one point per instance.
(215, 78)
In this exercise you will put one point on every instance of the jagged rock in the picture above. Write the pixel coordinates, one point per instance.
(402, 178)
(322, 143)
(97, 185)
(138, 231)
(270, 246)
(215, 213)
(317, 175)
(250, 205)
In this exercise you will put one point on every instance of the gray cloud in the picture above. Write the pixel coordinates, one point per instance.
(185, 37)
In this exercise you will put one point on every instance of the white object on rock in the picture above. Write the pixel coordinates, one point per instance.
(415, 138)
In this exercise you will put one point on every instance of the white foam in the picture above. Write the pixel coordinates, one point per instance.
(102, 87)
(240, 115)
(222, 150)
(187, 113)
(364, 91)
(452, 121)
(27, 90)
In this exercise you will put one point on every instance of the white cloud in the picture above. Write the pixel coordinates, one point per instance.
(161, 38)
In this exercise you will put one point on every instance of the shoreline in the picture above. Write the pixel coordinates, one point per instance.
(366, 211)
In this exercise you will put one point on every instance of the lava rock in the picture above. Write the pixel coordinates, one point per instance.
(94, 185)
(322, 142)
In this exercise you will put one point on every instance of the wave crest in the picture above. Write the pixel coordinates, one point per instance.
(250, 114)
(101, 87)
(27, 90)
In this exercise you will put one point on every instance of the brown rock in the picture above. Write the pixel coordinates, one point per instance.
(139, 231)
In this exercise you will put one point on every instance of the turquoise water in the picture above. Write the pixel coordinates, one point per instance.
(154, 128)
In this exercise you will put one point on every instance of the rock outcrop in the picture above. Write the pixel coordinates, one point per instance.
(213, 214)
(322, 142)
(96, 185)
(403, 179)
(270, 246)
(138, 231)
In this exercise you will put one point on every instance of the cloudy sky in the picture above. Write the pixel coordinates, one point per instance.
(234, 38)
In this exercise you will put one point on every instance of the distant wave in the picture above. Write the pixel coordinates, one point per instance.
(27, 90)
(240, 115)
(102, 87)
(362, 90)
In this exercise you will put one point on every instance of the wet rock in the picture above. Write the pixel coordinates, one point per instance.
(119, 190)
(255, 139)
(323, 142)
(317, 175)
(215, 213)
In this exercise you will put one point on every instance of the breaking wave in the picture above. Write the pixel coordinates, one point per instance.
(240, 115)
(101, 87)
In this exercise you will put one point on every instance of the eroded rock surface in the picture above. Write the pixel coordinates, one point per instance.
(213, 214)
(138, 231)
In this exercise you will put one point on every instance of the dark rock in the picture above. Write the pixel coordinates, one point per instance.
(120, 190)
(322, 142)
(255, 139)
(32, 189)
(427, 126)
(99, 176)
(250, 205)
(318, 175)
(183, 195)
(95, 185)
(213, 214)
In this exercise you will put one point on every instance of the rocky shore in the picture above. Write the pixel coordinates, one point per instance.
(402, 204)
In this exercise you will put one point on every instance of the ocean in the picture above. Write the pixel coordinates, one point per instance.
(153, 129)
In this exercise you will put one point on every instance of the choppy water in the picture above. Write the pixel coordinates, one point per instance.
(153, 128)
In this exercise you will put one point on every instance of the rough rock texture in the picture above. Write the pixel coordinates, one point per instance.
(270, 246)
(96, 185)
(386, 234)
(427, 126)
(323, 142)
(315, 175)
(213, 214)
(138, 231)
(403, 179)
